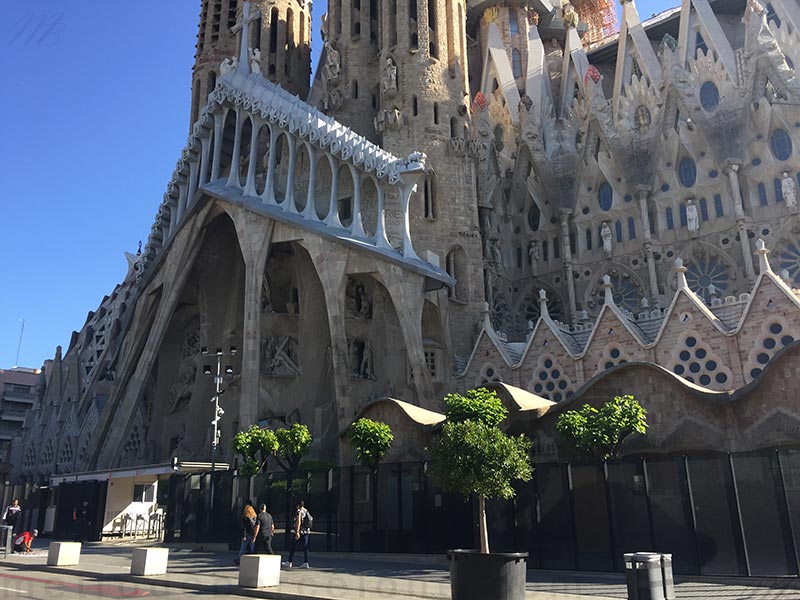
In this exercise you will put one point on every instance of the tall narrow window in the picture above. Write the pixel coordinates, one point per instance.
(453, 127)
(429, 197)
(762, 194)
(374, 20)
(513, 26)
(414, 106)
(682, 209)
(772, 16)
(519, 258)
(273, 30)
(545, 250)
(668, 216)
(449, 28)
(618, 227)
(355, 19)
(781, 144)
(572, 243)
(255, 33)
(718, 210)
(556, 248)
(432, 29)
(435, 113)
(413, 36)
(631, 229)
(699, 44)
(516, 63)
(354, 87)
(589, 239)
(392, 23)
(288, 48)
(703, 209)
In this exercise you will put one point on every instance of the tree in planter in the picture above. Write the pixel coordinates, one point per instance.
(473, 456)
(371, 441)
(293, 443)
(255, 445)
(601, 432)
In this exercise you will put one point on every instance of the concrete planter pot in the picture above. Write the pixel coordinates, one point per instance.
(499, 576)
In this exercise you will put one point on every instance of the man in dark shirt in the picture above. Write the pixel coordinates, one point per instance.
(265, 528)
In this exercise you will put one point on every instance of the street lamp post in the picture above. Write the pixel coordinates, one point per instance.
(218, 412)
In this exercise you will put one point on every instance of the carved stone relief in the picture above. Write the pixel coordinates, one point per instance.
(361, 359)
(279, 356)
(358, 301)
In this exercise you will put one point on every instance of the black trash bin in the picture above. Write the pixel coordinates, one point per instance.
(6, 539)
(649, 576)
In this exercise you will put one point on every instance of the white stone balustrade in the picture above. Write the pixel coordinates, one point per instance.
(149, 561)
(238, 141)
(259, 570)
(63, 554)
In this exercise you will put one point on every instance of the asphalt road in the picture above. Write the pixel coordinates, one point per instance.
(52, 586)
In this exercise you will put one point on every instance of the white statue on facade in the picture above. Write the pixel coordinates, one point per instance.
(333, 63)
(255, 61)
(533, 257)
(605, 234)
(227, 65)
(692, 219)
(789, 191)
(389, 75)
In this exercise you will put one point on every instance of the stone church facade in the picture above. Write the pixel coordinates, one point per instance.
(472, 194)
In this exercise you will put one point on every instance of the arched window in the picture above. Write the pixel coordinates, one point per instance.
(781, 144)
(618, 227)
(455, 264)
(682, 209)
(631, 229)
(778, 191)
(513, 26)
(519, 258)
(709, 95)
(718, 205)
(545, 251)
(762, 194)
(429, 197)
(699, 44)
(589, 239)
(687, 172)
(556, 248)
(453, 127)
(605, 196)
(772, 16)
(670, 221)
(516, 63)
(703, 209)
(533, 216)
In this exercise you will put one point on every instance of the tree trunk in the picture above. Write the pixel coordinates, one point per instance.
(482, 525)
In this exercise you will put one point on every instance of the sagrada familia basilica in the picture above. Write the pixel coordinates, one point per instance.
(524, 195)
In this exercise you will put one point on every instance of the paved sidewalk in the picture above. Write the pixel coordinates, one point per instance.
(374, 577)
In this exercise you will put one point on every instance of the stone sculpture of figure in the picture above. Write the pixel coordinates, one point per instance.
(497, 257)
(789, 190)
(393, 119)
(569, 15)
(255, 61)
(605, 234)
(228, 65)
(365, 369)
(333, 63)
(692, 220)
(181, 390)
(389, 75)
(533, 257)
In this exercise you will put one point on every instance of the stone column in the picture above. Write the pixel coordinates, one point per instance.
(233, 176)
(642, 192)
(255, 236)
(357, 227)
(732, 168)
(250, 183)
(219, 123)
(568, 270)
(269, 187)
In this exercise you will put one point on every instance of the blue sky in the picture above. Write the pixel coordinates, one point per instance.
(95, 109)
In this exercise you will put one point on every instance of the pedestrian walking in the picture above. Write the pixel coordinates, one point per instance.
(248, 528)
(302, 535)
(22, 543)
(11, 514)
(265, 529)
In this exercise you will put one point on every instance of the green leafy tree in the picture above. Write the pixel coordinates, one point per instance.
(371, 440)
(255, 445)
(601, 432)
(473, 455)
(293, 444)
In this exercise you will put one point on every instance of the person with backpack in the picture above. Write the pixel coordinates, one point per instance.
(302, 534)
(11, 515)
(248, 531)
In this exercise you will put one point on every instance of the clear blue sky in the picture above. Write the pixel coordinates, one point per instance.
(95, 112)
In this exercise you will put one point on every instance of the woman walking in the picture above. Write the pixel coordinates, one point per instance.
(248, 528)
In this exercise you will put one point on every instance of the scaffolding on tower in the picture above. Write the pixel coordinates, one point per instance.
(600, 16)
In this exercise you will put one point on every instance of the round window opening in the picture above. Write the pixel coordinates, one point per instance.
(709, 95)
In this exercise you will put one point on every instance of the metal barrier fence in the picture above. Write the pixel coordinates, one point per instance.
(717, 514)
